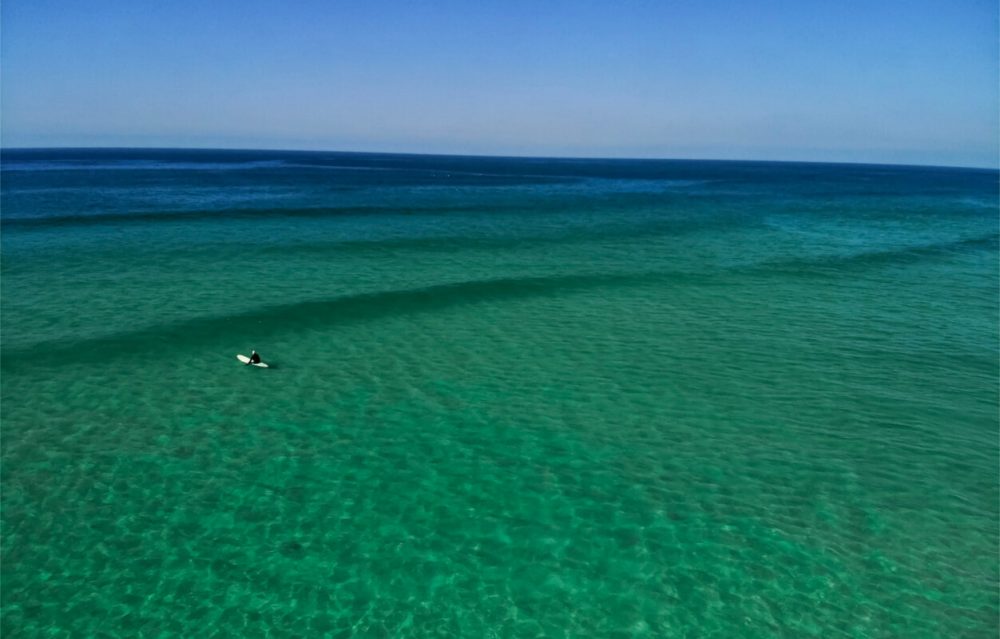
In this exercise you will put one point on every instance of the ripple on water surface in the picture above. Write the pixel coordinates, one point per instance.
(662, 400)
(524, 468)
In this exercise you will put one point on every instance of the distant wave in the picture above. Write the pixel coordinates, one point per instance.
(259, 323)
(652, 224)
(640, 184)
(213, 214)
(568, 235)
(138, 165)
(899, 255)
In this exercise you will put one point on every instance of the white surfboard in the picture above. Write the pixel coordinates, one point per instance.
(246, 360)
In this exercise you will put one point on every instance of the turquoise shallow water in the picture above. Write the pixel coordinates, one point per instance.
(511, 398)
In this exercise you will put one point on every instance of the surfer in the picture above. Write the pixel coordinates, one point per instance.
(253, 359)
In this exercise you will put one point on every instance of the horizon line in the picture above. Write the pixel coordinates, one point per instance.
(498, 156)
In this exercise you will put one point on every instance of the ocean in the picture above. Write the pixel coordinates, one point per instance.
(508, 397)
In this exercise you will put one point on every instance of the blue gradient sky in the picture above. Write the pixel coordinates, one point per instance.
(908, 81)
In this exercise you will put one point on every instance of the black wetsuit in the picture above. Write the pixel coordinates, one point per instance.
(254, 358)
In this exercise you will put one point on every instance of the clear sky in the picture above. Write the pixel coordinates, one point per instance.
(900, 81)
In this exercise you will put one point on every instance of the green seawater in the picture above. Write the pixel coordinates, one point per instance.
(507, 398)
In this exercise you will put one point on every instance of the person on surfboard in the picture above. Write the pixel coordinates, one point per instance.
(254, 358)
